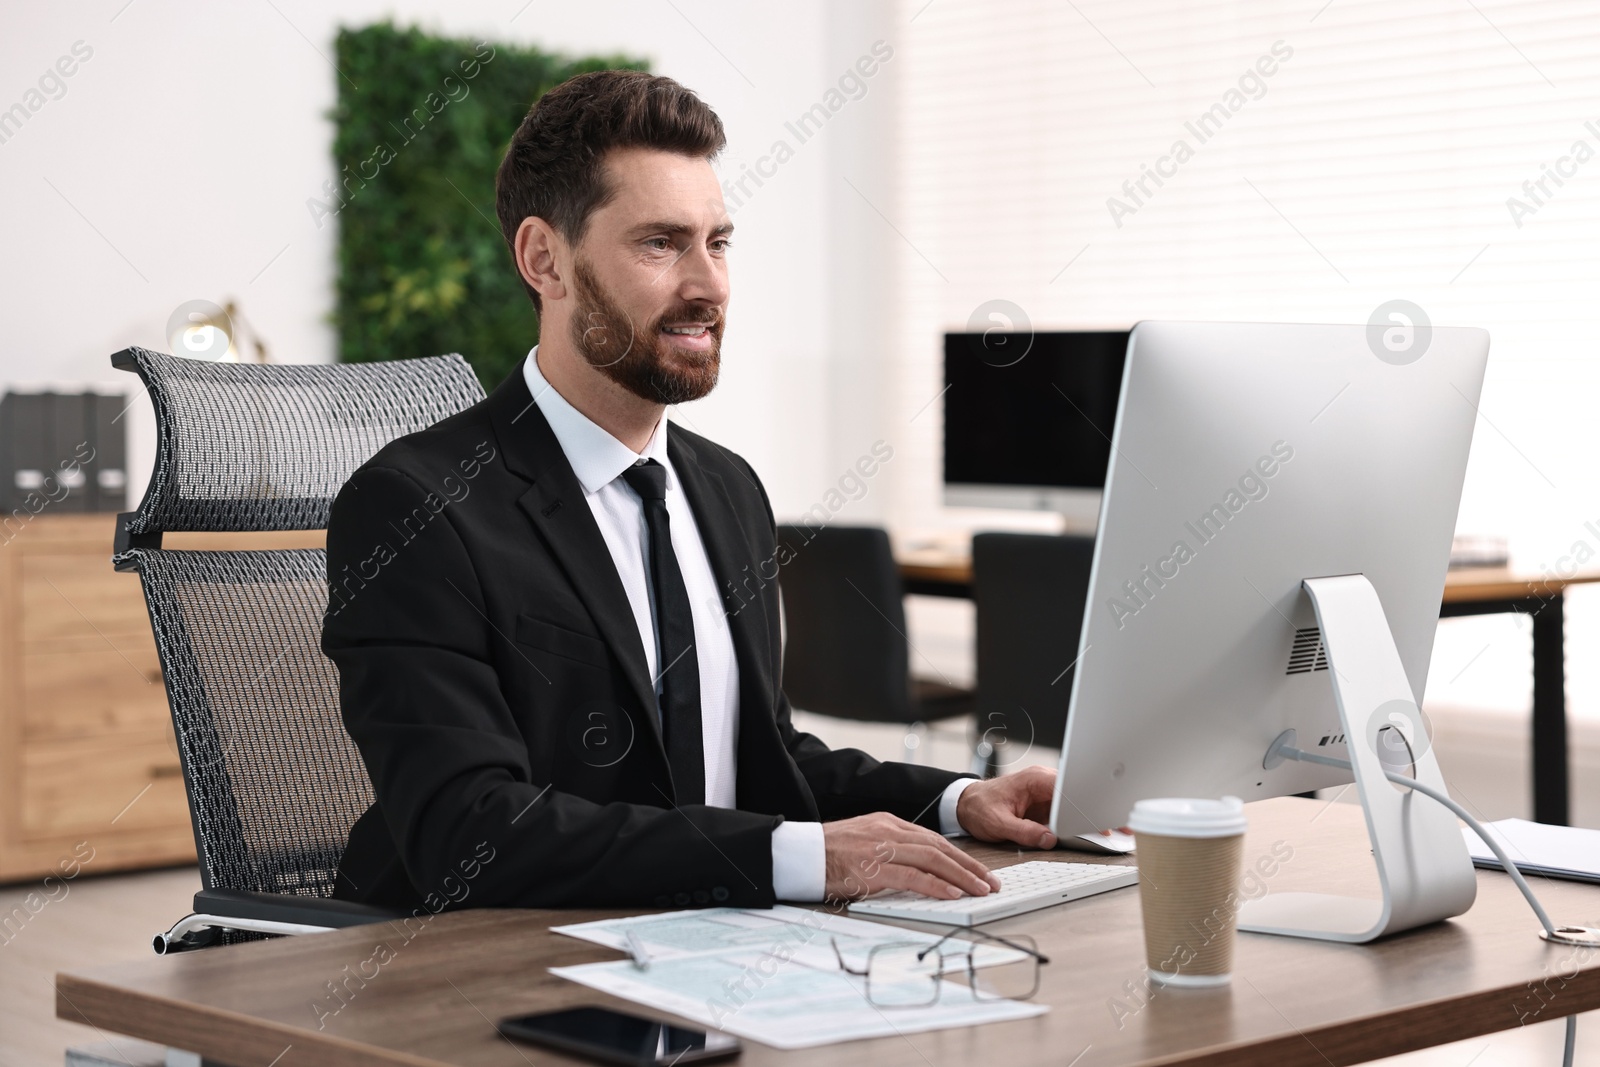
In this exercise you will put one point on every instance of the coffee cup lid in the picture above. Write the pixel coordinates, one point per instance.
(1188, 817)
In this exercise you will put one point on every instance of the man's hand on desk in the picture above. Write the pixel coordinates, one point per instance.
(883, 851)
(1012, 807)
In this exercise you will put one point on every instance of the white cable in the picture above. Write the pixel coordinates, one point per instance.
(1460, 813)
(1477, 828)
(1488, 839)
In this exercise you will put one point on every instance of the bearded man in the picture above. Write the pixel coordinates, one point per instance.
(558, 694)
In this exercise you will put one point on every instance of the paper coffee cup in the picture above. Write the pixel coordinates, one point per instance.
(1189, 854)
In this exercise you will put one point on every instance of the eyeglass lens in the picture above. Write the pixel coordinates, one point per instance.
(896, 977)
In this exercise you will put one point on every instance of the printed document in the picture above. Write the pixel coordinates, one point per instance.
(772, 975)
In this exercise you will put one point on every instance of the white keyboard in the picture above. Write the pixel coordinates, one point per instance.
(1023, 887)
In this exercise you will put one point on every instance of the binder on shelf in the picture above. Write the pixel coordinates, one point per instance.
(67, 416)
(108, 471)
(25, 430)
(62, 452)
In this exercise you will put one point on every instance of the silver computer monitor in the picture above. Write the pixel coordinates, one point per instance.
(1245, 459)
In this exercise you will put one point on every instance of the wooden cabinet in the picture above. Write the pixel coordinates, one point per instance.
(87, 754)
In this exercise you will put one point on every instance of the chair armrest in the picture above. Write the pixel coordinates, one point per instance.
(288, 908)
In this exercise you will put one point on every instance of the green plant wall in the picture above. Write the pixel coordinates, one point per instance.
(421, 124)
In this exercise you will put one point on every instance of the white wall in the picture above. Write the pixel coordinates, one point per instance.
(178, 162)
(1375, 163)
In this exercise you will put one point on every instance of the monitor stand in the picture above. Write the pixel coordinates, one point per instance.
(1423, 866)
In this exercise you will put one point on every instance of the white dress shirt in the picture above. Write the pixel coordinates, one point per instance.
(799, 857)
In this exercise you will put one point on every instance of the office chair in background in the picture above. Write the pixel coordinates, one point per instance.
(846, 653)
(274, 782)
(1030, 591)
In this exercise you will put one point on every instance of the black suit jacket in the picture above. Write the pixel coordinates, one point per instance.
(492, 676)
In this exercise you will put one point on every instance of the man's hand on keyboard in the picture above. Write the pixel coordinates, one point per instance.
(1012, 807)
(883, 851)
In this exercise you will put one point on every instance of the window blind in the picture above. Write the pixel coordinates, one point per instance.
(1334, 156)
(1097, 163)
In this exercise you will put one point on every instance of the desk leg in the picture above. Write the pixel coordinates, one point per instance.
(1550, 766)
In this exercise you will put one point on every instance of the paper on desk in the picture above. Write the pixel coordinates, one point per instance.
(771, 975)
(1559, 851)
(713, 931)
(783, 1002)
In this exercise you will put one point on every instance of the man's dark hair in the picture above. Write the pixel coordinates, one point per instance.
(554, 168)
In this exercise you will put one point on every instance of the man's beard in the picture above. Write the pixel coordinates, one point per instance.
(643, 361)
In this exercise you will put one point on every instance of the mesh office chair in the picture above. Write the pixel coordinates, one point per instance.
(845, 651)
(274, 782)
(1030, 591)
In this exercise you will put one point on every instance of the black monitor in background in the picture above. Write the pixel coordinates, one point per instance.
(1028, 419)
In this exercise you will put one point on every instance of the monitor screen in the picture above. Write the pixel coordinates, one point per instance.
(1021, 411)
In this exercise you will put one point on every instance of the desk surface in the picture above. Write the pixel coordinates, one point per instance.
(1291, 1003)
(951, 566)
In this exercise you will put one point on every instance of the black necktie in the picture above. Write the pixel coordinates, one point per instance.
(677, 663)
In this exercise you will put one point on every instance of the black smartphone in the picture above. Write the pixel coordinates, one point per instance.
(617, 1037)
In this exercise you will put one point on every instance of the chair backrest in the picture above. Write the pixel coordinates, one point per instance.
(273, 780)
(845, 646)
(1030, 591)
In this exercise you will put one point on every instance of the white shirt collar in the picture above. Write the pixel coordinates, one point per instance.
(597, 458)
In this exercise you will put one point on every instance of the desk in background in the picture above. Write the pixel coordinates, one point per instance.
(1293, 1003)
(947, 571)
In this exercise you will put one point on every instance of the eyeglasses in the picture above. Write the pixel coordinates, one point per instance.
(910, 974)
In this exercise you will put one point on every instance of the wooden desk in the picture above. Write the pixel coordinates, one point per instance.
(1292, 1002)
(1467, 591)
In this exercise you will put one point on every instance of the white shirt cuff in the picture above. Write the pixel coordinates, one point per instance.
(947, 806)
(799, 861)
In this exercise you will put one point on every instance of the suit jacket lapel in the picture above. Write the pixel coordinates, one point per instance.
(727, 549)
(769, 780)
(555, 503)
